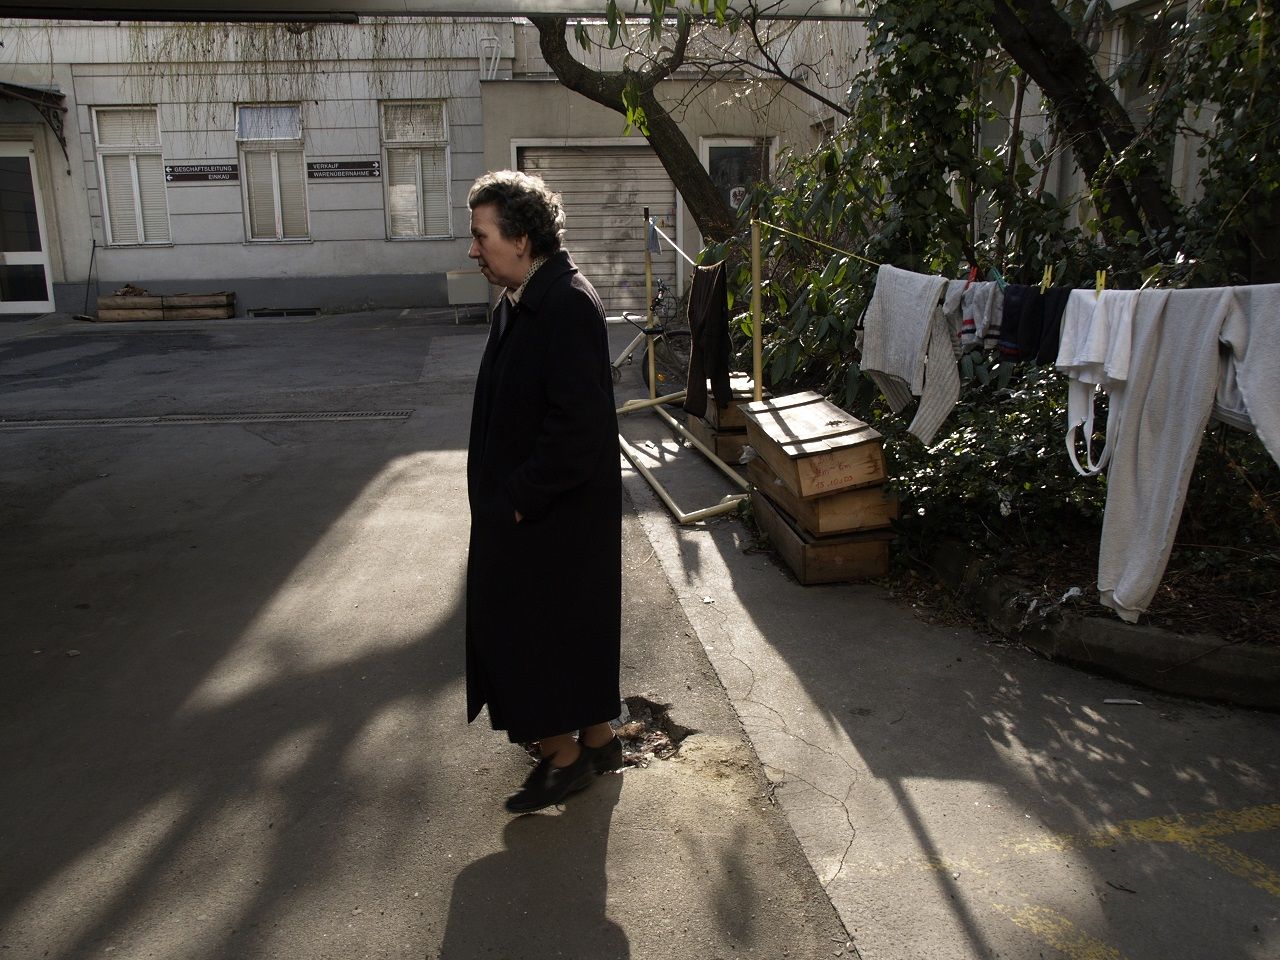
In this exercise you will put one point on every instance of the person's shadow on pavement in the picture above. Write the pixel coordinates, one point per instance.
(544, 895)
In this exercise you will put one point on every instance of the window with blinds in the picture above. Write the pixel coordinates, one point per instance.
(415, 146)
(274, 165)
(131, 175)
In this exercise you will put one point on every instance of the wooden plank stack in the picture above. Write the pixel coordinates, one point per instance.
(725, 431)
(179, 306)
(819, 494)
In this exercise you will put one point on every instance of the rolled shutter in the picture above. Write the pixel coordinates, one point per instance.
(155, 208)
(435, 192)
(262, 204)
(402, 192)
(410, 122)
(117, 172)
(272, 122)
(293, 194)
(605, 190)
(128, 128)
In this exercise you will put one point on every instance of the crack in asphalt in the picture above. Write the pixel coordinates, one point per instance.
(727, 643)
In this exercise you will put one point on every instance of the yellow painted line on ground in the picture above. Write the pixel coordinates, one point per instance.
(1241, 864)
(1181, 830)
(1195, 833)
(1192, 831)
(1052, 928)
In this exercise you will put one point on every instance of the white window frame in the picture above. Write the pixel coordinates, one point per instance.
(389, 145)
(132, 151)
(706, 143)
(768, 142)
(273, 149)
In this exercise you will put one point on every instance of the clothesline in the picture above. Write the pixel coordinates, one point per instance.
(688, 259)
(1169, 359)
(875, 263)
(818, 243)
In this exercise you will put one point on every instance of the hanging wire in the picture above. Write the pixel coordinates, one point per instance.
(818, 243)
(688, 259)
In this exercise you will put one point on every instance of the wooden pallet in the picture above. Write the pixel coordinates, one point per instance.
(866, 508)
(849, 556)
(179, 306)
(813, 446)
(727, 444)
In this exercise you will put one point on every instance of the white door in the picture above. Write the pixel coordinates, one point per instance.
(605, 191)
(26, 284)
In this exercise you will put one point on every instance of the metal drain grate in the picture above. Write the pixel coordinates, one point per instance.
(263, 312)
(319, 416)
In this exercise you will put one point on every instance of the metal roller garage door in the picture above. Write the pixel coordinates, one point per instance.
(605, 191)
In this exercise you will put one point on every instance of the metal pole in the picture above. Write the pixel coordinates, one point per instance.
(631, 406)
(648, 309)
(757, 363)
(728, 504)
(716, 462)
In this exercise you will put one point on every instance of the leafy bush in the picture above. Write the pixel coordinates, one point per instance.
(909, 180)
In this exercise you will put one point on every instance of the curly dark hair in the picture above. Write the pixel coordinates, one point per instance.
(525, 207)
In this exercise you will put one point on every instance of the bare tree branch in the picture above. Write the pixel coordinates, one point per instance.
(678, 157)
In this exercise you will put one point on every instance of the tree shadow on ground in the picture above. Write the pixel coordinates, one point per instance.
(1005, 774)
(221, 645)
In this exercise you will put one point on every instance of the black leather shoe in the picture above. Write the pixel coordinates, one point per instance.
(549, 784)
(605, 758)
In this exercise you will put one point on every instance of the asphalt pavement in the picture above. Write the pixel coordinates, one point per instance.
(233, 715)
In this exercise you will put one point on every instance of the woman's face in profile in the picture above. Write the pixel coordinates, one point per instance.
(502, 260)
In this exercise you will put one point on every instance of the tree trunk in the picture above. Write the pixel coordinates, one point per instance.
(1039, 40)
(678, 158)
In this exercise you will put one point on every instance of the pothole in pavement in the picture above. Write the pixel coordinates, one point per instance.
(646, 730)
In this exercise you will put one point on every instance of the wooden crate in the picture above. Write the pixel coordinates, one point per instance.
(731, 417)
(121, 315)
(727, 444)
(849, 556)
(130, 303)
(178, 306)
(866, 508)
(181, 301)
(197, 313)
(813, 446)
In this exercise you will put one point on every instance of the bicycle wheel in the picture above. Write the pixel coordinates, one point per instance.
(671, 360)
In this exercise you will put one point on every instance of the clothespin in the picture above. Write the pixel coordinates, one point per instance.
(1102, 280)
(1047, 278)
(995, 275)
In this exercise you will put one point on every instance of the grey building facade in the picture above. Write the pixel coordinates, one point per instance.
(321, 167)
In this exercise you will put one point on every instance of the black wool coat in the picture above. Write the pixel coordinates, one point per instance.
(544, 595)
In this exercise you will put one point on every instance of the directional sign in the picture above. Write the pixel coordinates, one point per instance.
(202, 172)
(344, 169)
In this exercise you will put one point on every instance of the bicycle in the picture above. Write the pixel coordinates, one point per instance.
(671, 347)
(664, 306)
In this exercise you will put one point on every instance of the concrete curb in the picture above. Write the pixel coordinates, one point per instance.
(1202, 666)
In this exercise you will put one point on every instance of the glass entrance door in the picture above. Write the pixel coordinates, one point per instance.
(25, 283)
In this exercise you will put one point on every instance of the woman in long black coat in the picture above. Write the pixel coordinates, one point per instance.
(544, 573)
